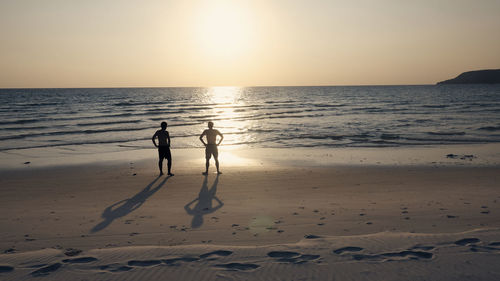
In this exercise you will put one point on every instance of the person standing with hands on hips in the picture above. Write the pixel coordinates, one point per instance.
(163, 147)
(211, 146)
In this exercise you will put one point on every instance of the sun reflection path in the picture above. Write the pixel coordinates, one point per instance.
(230, 110)
(224, 95)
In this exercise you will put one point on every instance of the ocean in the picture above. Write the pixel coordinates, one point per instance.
(123, 119)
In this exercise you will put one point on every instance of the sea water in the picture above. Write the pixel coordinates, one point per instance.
(122, 119)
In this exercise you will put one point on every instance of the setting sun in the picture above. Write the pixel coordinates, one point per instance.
(224, 30)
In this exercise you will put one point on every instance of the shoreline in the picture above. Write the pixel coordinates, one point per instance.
(238, 156)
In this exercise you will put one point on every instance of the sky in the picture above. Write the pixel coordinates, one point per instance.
(164, 43)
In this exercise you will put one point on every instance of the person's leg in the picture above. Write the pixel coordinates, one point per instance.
(217, 165)
(160, 161)
(169, 162)
(216, 158)
(207, 158)
(207, 163)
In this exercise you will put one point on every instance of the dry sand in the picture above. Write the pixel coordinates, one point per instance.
(120, 221)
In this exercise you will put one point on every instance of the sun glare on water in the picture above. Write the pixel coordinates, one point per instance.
(226, 102)
(227, 109)
(224, 29)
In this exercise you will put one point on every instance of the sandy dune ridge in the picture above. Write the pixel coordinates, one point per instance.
(380, 256)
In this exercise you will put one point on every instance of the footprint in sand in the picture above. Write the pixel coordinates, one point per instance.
(417, 252)
(484, 249)
(347, 249)
(46, 270)
(176, 261)
(390, 256)
(234, 266)
(282, 254)
(309, 257)
(421, 247)
(410, 254)
(292, 257)
(220, 253)
(115, 267)
(80, 260)
(143, 263)
(6, 268)
(9, 251)
(467, 241)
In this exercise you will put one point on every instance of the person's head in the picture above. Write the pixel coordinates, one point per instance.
(210, 124)
(163, 125)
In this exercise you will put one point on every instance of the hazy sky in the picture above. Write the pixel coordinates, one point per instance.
(121, 43)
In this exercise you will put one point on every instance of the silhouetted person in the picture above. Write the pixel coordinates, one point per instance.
(163, 147)
(211, 146)
(204, 203)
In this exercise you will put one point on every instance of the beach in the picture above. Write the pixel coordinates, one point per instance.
(356, 140)
(276, 214)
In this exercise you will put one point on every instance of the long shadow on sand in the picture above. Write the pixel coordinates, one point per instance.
(204, 203)
(126, 206)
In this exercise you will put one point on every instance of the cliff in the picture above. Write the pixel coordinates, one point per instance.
(489, 76)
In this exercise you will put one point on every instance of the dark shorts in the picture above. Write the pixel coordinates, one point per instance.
(164, 152)
(211, 149)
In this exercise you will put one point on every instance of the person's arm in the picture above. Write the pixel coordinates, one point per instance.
(154, 137)
(201, 138)
(221, 137)
(168, 139)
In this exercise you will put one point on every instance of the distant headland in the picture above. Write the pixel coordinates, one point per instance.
(488, 76)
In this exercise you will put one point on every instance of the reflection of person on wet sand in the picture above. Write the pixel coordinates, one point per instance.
(204, 203)
(211, 146)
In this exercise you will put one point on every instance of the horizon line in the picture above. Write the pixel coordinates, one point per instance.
(227, 86)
